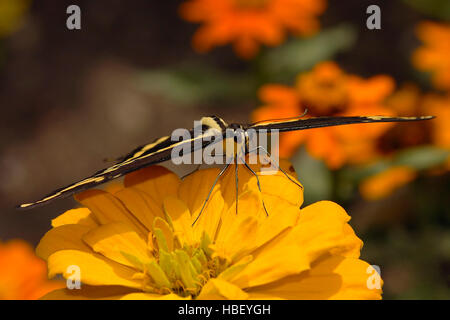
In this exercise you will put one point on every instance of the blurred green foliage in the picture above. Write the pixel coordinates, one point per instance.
(283, 63)
(193, 82)
(435, 8)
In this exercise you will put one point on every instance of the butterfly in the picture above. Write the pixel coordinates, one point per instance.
(162, 148)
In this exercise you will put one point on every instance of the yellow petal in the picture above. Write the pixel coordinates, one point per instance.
(94, 269)
(113, 240)
(64, 237)
(238, 238)
(156, 181)
(332, 278)
(181, 219)
(81, 216)
(228, 184)
(87, 292)
(209, 220)
(107, 208)
(249, 205)
(273, 263)
(141, 205)
(149, 296)
(194, 189)
(276, 223)
(321, 229)
(235, 268)
(275, 186)
(218, 289)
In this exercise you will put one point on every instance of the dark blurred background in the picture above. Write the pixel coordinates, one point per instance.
(70, 99)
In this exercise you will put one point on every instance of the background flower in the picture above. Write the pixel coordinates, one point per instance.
(329, 91)
(248, 23)
(408, 100)
(23, 276)
(433, 55)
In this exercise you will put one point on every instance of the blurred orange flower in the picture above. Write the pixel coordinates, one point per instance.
(23, 276)
(439, 105)
(409, 101)
(406, 101)
(329, 91)
(434, 55)
(247, 23)
(384, 183)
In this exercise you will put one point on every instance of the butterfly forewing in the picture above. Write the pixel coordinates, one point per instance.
(320, 122)
(153, 153)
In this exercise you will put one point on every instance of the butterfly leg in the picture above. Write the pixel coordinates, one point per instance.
(276, 164)
(193, 171)
(258, 183)
(211, 190)
(236, 182)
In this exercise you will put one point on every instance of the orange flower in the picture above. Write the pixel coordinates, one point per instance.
(247, 23)
(407, 101)
(329, 91)
(384, 183)
(439, 105)
(434, 56)
(23, 276)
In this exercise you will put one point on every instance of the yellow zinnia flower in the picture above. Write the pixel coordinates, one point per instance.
(137, 241)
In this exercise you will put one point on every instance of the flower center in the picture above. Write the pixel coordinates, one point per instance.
(179, 269)
(250, 4)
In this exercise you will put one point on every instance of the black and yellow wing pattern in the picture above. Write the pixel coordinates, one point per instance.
(161, 149)
(156, 152)
(320, 122)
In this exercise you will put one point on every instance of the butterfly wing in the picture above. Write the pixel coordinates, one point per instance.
(320, 122)
(153, 153)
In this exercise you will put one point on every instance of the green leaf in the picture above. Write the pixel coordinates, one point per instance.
(421, 158)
